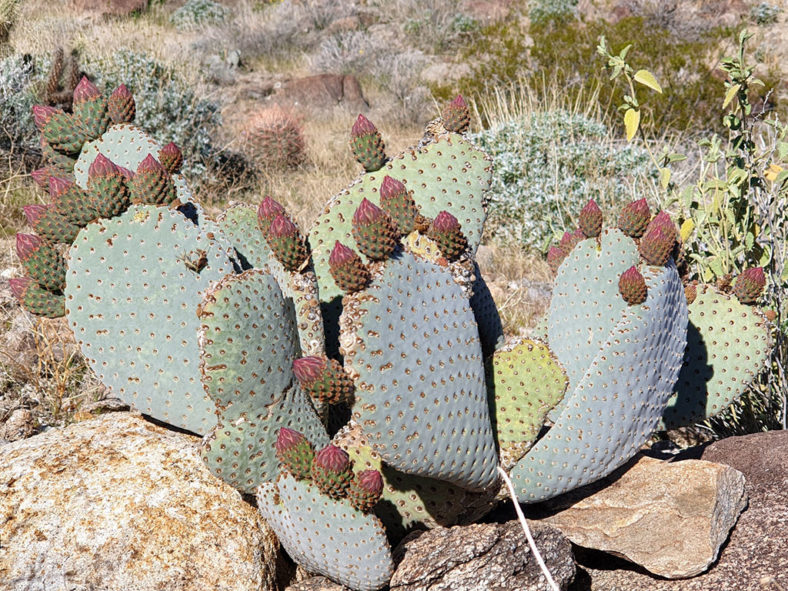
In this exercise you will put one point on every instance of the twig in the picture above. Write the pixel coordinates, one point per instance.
(527, 531)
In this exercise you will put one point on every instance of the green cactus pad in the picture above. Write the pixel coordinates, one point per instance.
(239, 224)
(131, 301)
(449, 174)
(59, 161)
(408, 501)
(727, 346)
(411, 343)
(326, 536)
(240, 450)
(248, 342)
(586, 303)
(125, 145)
(524, 382)
(617, 404)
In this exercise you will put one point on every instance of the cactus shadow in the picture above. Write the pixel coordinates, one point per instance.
(690, 397)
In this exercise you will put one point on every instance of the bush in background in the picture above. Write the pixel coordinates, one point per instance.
(19, 78)
(196, 13)
(547, 165)
(166, 105)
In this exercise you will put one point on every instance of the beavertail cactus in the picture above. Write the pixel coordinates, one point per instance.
(42, 261)
(367, 144)
(365, 490)
(348, 270)
(295, 453)
(632, 286)
(590, 220)
(456, 116)
(332, 472)
(323, 379)
(171, 158)
(398, 202)
(152, 184)
(90, 109)
(634, 218)
(121, 107)
(446, 231)
(749, 285)
(374, 231)
(267, 211)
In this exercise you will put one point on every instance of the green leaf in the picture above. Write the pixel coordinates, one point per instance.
(749, 240)
(646, 78)
(664, 177)
(715, 264)
(730, 94)
(623, 54)
(631, 123)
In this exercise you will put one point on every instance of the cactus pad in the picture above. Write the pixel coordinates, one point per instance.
(586, 304)
(248, 342)
(727, 345)
(410, 342)
(619, 400)
(327, 536)
(449, 174)
(239, 225)
(524, 382)
(135, 319)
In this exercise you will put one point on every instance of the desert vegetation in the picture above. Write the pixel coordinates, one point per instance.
(260, 97)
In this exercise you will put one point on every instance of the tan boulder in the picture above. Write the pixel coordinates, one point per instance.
(670, 518)
(117, 503)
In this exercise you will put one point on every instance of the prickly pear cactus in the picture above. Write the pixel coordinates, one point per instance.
(448, 175)
(727, 345)
(617, 403)
(239, 224)
(524, 382)
(248, 342)
(411, 336)
(327, 536)
(135, 319)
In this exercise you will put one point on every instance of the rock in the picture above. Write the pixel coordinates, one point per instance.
(321, 91)
(20, 424)
(482, 556)
(18, 352)
(111, 7)
(316, 584)
(117, 503)
(670, 518)
(756, 554)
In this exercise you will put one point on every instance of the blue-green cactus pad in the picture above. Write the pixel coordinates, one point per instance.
(327, 536)
(586, 304)
(411, 343)
(239, 224)
(449, 174)
(727, 346)
(131, 301)
(248, 342)
(524, 382)
(240, 450)
(617, 404)
(408, 501)
(125, 145)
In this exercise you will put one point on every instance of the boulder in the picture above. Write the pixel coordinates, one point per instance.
(118, 503)
(756, 555)
(323, 91)
(491, 556)
(670, 518)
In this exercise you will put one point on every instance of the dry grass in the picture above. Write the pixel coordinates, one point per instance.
(519, 282)
(17, 189)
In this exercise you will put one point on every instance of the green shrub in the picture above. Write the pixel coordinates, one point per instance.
(565, 52)
(547, 166)
(166, 105)
(196, 13)
(765, 13)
